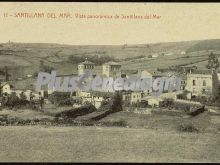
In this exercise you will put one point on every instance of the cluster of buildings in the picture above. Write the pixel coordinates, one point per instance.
(205, 83)
(196, 82)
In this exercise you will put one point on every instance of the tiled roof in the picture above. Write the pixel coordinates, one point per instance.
(87, 62)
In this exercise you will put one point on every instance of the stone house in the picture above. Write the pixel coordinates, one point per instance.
(202, 83)
(132, 97)
(85, 66)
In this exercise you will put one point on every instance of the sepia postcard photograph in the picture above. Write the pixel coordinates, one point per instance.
(110, 82)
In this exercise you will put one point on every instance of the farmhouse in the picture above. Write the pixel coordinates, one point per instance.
(153, 101)
(202, 83)
(93, 97)
(131, 97)
(149, 74)
(6, 88)
(85, 66)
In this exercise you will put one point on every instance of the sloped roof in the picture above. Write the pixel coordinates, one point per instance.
(207, 72)
(3, 84)
(87, 62)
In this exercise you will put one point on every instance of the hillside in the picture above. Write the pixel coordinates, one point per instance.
(205, 45)
(24, 58)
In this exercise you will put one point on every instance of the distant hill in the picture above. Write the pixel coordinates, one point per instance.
(205, 45)
(27, 56)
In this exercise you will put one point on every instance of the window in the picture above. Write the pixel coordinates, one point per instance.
(204, 83)
(194, 82)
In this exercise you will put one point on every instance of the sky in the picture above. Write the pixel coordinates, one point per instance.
(178, 22)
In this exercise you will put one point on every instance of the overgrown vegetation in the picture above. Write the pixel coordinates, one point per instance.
(60, 98)
(188, 127)
(72, 113)
(13, 101)
(213, 62)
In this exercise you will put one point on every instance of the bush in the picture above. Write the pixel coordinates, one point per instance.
(13, 101)
(189, 127)
(183, 106)
(167, 102)
(72, 113)
(59, 97)
(104, 102)
(68, 101)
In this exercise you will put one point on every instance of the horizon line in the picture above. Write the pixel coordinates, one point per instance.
(55, 43)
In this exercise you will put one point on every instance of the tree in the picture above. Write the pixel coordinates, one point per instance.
(23, 96)
(13, 100)
(45, 68)
(213, 62)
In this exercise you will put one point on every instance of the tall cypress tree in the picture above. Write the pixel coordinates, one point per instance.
(213, 62)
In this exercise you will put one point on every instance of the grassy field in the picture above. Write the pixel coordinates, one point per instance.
(147, 138)
(200, 59)
(102, 144)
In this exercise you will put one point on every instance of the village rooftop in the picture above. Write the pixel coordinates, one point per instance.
(87, 82)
